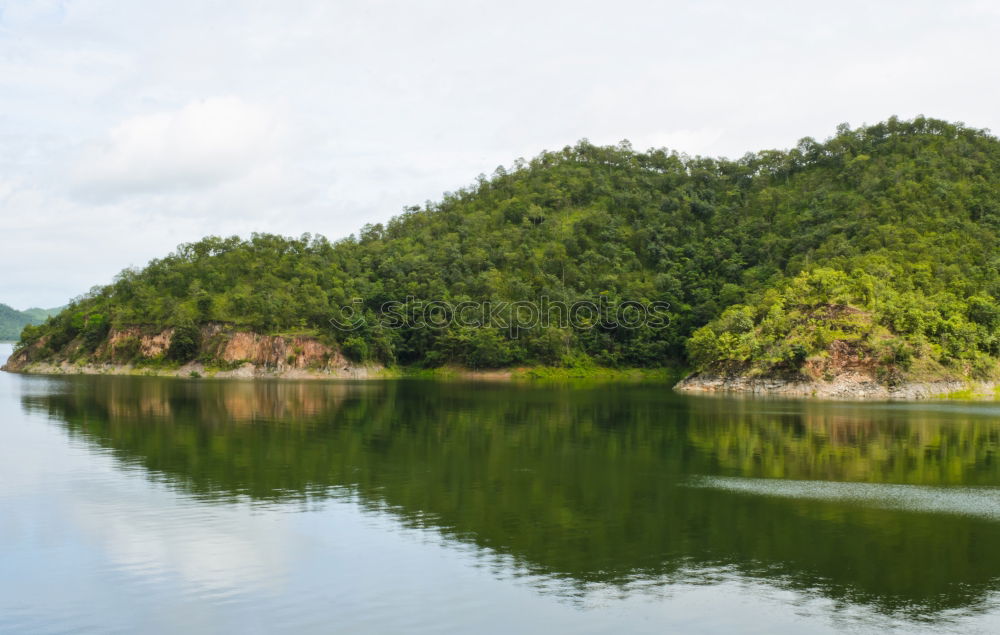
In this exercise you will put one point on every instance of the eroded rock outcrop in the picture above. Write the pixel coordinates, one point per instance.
(224, 351)
(848, 385)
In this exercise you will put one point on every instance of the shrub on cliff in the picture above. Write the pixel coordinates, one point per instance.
(184, 343)
(95, 328)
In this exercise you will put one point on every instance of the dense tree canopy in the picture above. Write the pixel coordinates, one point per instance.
(884, 237)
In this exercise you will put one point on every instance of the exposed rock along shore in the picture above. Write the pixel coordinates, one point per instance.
(246, 370)
(849, 386)
(234, 353)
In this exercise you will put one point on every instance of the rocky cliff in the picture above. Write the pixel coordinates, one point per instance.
(848, 385)
(222, 352)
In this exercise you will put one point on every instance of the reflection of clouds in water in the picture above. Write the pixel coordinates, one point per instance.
(981, 502)
(219, 550)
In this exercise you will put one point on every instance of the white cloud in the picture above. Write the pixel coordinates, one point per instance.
(201, 145)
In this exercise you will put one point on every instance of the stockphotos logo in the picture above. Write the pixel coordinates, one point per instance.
(516, 316)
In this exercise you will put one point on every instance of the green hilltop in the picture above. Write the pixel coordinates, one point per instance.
(13, 321)
(878, 246)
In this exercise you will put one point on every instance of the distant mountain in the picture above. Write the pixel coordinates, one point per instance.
(41, 314)
(13, 321)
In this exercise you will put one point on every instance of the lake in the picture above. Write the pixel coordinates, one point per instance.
(135, 504)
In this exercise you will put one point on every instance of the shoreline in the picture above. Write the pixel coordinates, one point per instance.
(848, 387)
(191, 370)
(371, 372)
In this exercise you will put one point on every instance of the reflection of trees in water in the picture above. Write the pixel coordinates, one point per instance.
(585, 485)
(849, 442)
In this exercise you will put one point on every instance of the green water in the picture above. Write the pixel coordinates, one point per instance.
(158, 505)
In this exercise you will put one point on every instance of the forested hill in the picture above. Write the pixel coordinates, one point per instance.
(13, 321)
(879, 245)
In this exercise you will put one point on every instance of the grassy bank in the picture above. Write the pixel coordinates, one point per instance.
(542, 374)
(971, 394)
(526, 374)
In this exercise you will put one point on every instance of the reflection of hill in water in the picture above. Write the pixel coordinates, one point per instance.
(589, 486)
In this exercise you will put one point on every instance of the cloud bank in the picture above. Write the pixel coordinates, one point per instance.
(127, 128)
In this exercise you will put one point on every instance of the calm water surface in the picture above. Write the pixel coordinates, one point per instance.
(153, 505)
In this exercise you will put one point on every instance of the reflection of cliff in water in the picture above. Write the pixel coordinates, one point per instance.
(584, 485)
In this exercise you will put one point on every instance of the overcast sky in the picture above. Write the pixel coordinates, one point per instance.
(127, 128)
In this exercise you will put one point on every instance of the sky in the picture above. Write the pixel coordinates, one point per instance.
(127, 128)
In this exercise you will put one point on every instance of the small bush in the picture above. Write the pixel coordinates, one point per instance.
(184, 344)
(126, 349)
(95, 329)
(355, 349)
